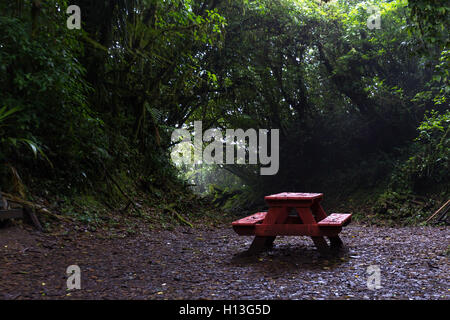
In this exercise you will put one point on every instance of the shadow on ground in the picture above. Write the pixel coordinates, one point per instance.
(287, 257)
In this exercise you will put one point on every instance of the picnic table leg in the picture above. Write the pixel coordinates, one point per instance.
(306, 214)
(318, 211)
(275, 215)
(336, 243)
(283, 214)
(321, 244)
(260, 244)
(269, 242)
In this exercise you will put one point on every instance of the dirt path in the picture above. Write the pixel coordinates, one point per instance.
(208, 264)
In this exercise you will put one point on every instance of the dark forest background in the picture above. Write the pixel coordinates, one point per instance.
(86, 116)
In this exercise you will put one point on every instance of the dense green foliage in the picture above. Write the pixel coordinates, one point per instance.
(347, 99)
(83, 109)
(103, 96)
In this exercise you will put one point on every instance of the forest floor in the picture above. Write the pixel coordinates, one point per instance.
(209, 263)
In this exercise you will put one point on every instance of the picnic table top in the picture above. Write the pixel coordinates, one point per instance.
(294, 196)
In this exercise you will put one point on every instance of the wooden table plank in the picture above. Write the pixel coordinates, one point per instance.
(335, 219)
(294, 196)
(250, 220)
(311, 230)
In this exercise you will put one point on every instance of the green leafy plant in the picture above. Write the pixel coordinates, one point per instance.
(431, 163)
(7, 140)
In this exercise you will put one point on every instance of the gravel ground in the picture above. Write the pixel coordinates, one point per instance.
(209, 263)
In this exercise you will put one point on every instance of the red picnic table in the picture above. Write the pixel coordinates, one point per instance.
(293, 214)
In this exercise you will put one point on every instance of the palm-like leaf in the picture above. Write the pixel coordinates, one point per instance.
(6, 114)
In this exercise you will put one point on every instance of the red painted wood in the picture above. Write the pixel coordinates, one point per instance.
(283, 215)
(293, 220)
(244, 230)
(335, 219)
(318, 211)
(294, 196)
(250, 220)
(306, 215)
(290, 203)
(276, 215)
(295, 230)
(265, 226)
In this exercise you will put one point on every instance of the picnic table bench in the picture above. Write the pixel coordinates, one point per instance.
(293, 214)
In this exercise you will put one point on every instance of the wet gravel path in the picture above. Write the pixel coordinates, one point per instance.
(209, 263)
